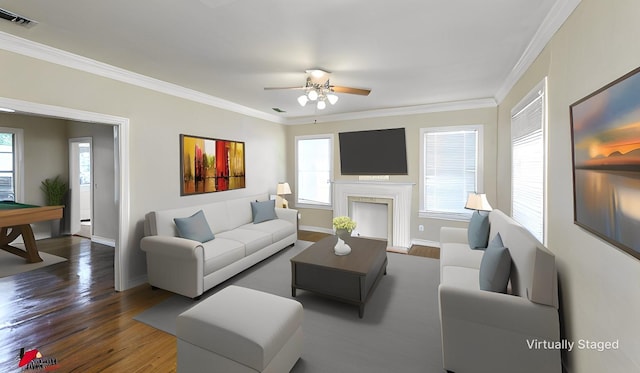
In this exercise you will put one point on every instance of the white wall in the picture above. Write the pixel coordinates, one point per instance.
(600, 284)
(156, 121)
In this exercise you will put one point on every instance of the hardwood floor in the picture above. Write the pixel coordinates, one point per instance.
(69, 311)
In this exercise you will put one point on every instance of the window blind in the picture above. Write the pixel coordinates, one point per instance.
(528, 164)
(450, 170)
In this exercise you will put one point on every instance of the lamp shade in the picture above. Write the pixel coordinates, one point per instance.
(332, 99)
(477, 201)
(283, 188)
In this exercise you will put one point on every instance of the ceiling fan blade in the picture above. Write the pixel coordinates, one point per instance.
(274, 88)
(350, 90)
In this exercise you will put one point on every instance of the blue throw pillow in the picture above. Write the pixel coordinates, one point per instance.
(496, 242)
(195, 227)
(478, 231)
(495, 269)
(263, 211)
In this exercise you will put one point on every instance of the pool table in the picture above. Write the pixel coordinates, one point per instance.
(15, 220)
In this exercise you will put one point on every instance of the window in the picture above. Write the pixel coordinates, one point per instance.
(450, 169)
(528, 120)
(314, 161)
(10, 157)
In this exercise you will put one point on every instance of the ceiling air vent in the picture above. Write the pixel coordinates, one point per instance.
(20, 20)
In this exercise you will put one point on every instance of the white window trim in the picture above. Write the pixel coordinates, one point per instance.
(18, 161)
(521, 105)
(328, 206)
(479, 171)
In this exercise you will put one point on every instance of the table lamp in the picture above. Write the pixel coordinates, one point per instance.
(478, 201)
(281, 190)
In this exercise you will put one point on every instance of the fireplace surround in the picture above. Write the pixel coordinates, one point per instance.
(398, 195)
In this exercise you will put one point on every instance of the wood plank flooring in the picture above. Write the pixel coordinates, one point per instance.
(69, 311)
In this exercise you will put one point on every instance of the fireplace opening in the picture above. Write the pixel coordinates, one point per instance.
(374, 217)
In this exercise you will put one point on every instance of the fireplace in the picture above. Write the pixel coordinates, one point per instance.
(394, 198)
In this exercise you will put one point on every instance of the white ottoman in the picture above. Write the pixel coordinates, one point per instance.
(240, 330)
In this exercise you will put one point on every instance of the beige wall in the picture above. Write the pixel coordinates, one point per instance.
(600, 284)
(412, 124)
(156, 121)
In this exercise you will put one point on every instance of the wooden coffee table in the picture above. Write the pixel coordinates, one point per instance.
(350, 278)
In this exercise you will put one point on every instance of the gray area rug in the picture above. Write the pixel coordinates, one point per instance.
(11, 264)
(400, 330)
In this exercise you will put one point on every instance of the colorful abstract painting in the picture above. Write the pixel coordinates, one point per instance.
(606, 162)
(210, 165)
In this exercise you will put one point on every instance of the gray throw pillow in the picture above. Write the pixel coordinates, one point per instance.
(263, 211)
(195, 227)
(495, 269)
(478, 231)
(497, 241)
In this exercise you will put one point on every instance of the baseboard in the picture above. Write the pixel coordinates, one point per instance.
(104, 241)
(416, 241)
(315, 229)
(136, 281)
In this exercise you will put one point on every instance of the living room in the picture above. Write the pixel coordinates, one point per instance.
(592, 48)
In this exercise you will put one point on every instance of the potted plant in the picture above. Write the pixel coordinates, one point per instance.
(343, 226)
(55, 192)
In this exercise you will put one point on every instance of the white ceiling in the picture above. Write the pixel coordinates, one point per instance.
(410, 53)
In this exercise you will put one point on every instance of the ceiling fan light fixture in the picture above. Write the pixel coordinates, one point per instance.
(332, 98)
(302, 100)
(313, 95)
(317, 73)
(321, 105)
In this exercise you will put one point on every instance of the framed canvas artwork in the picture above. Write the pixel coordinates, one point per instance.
(210, 165)
(605, 130)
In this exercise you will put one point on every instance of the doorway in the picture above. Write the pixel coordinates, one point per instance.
(80, 185)
(120, 125)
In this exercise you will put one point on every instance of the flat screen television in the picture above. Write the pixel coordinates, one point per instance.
(373, 152)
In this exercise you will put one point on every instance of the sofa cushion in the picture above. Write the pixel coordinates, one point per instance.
(195, 227)
(459, 254)
(263, 211)
(495, 269)
(278, 228)
(462, 277)
(252, 239)
(478, 231)
(220, 253)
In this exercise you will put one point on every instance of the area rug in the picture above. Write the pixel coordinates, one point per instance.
(11, 264)
(400, 330)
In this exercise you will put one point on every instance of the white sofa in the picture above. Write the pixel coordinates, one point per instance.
(484, 331)
(189, 267)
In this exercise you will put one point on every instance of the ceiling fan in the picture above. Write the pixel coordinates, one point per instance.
(318, 88)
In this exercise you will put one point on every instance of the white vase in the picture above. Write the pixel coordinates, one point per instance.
(341, 248)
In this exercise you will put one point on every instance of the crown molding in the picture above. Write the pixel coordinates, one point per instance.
(405, 110)
(556, 17)
(46, 53)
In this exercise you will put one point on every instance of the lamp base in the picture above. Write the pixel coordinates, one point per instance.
(281, 202)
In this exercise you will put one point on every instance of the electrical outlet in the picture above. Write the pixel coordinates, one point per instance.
(421, 228)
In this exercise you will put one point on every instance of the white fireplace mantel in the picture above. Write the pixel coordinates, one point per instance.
(400, 193)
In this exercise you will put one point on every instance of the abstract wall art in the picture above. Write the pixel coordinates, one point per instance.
(210, 165)
(605, 129)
